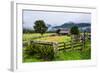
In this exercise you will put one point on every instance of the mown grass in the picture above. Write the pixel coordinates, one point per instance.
(55, 39)
(28, 36)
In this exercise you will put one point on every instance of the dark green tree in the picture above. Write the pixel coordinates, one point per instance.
(75, 33)
(74, 30)
(58, 31)
(40, 27)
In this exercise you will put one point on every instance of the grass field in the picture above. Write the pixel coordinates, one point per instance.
(62, 55)
(55, 39)
(28, 36)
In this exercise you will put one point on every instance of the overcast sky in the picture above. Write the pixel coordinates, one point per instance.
(54, 18)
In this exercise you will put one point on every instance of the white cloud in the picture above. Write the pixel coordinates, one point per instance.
(54, 18)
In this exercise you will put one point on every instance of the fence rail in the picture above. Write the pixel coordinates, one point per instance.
(72, 44)
(61, 45)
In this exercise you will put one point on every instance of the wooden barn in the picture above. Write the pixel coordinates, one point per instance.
(64, 32)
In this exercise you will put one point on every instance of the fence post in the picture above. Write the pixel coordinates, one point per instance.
(84, 40)
(71, 43)
(55, 47)
(30, 42)
(64, 46)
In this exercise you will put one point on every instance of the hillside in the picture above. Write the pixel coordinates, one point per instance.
(69, 25)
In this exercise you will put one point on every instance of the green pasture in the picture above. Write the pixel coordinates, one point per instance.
(61, 55)
(31, 36)
(55, 39)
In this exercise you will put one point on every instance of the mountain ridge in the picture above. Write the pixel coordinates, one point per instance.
(69, 25)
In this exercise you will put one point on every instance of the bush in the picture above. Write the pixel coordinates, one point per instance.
(75, 33)
(74, 30)
(42, 51)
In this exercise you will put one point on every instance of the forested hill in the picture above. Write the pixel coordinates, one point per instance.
(69, 25)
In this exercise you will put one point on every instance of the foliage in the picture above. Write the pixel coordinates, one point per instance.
(40, 27)
(41, 51)
(74, 55)
(58, 31)
(75, 33)
(28, 30)
(74, 30)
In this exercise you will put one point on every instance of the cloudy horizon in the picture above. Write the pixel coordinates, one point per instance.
(54, 18)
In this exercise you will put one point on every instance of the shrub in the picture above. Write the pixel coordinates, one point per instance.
(75, 33)
(43, 51)
(25, 43)
(58, 31)
(74, 30)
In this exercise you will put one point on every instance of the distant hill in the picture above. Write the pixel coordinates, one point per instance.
(69, 25)
(83, 25)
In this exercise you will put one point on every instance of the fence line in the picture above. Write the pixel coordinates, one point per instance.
(61, 45)
(65, 45)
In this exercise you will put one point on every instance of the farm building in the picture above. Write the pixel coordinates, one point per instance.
(64, 31)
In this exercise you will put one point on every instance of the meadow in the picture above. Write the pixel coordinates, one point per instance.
(61, 55)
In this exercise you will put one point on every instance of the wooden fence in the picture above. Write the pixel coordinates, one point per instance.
(54, 44)
(66, 46)
(70, 45)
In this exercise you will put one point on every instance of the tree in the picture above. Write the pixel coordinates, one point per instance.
(74, 30)
(40, 27)
(58, 31)
(75, 33)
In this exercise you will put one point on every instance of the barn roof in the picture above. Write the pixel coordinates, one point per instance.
(64, 31)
